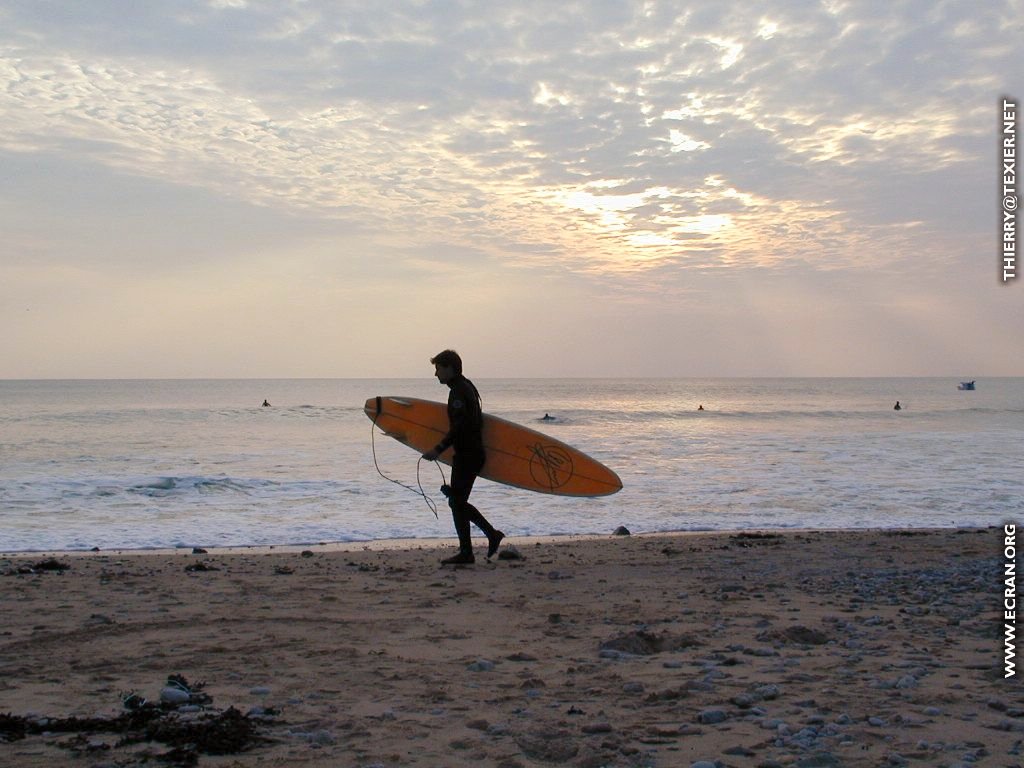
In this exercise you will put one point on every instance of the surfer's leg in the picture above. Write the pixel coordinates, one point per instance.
(458, 500)
(465, 554)
(468, 473)
(465, 514)
(462, 529)
(494, 536)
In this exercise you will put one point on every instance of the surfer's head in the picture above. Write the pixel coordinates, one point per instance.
(447, 365)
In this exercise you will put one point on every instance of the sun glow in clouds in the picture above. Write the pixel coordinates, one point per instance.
(646, 227)
(731, 51)
(683, 143)
(767, 30)
(546, 97)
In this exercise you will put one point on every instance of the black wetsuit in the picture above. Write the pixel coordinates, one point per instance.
(465, 424)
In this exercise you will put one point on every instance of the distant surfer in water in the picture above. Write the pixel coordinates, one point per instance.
(465, 424)
(897, 407)
(265, 404)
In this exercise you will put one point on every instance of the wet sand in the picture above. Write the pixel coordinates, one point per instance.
(841, 648)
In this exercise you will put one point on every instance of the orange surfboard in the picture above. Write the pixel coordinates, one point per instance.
(516, 455)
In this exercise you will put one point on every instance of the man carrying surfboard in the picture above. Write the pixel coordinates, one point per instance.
(465, 424)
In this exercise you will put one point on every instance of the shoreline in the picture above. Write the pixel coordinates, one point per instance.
(750, 648)
(403, 544)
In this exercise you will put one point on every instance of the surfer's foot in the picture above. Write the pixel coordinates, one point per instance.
(493, 542)
(446, 490)
(462, 558)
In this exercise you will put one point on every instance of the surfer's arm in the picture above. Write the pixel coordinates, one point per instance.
(440, 448)
(448, 440)
(457, 423)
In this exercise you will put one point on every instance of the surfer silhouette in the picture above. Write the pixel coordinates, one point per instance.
(465, 425)
(265, 404)
(897, 407)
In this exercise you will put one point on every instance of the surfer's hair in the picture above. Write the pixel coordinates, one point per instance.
(449, 359)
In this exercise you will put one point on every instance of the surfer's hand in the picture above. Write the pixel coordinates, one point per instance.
(431, 455)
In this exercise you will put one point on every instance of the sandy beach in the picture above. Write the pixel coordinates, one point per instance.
(833, 648)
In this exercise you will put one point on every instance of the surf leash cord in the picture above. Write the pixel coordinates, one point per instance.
(419, 489)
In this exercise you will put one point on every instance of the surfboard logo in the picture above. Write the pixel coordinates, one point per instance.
(550, 465)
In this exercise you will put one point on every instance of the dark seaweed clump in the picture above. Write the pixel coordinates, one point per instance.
(188, 735)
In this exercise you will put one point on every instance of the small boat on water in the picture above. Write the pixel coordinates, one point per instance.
(966, 385)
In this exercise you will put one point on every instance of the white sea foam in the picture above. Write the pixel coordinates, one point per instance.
(183, 463)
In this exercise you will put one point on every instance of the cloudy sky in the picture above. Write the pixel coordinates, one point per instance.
(609, 188)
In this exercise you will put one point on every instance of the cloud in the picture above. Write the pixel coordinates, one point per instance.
(405, 114)
(633, 145)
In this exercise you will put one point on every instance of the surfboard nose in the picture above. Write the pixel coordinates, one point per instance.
(374, 406)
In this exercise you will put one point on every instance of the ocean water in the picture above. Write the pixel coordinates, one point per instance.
(143, 464)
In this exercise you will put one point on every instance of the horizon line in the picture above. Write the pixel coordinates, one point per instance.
(504, 378)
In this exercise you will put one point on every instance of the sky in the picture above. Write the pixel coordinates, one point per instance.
(303, 188)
